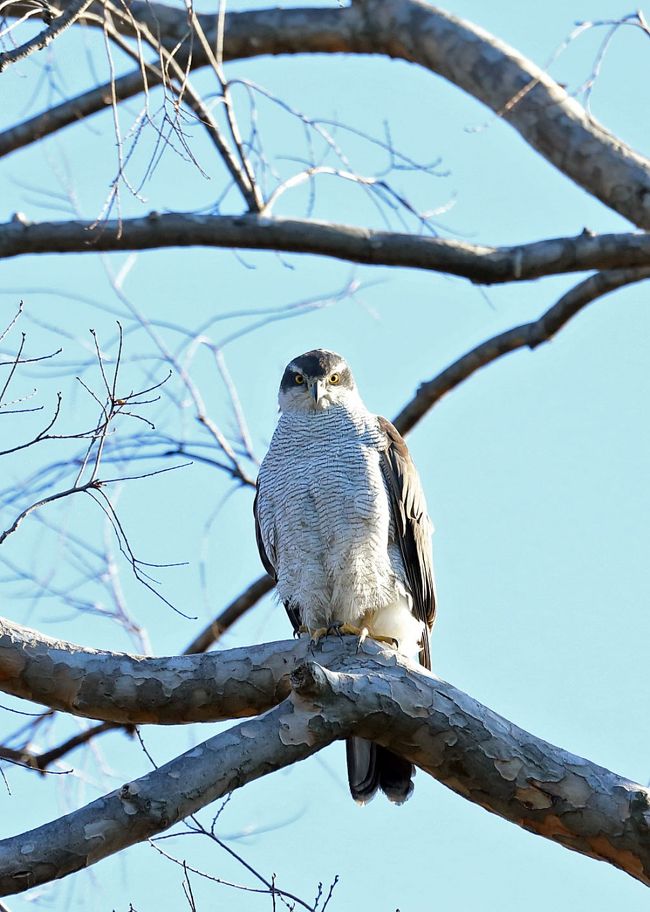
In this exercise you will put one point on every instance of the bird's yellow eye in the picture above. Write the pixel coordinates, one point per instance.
(299, 379)
(335, 378)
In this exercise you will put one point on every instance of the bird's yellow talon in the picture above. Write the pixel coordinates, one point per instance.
(318, 634)
(351, 630)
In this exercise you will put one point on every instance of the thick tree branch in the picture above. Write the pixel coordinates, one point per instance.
(152, 804)
(208, 636)
(381, 696)
(479, 263)
(520, 92)
(528, 335)
(116, 687)
(552, 122)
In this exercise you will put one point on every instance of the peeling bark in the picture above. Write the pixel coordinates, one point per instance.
(149, 805)
(117, 687)
(374, 693)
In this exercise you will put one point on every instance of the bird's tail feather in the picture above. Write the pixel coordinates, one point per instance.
(371, 766)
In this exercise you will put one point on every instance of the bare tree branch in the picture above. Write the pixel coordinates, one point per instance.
(479, 263)
(552, 122)
(313, 30)
(69, 112)
(380, 696)
(106, 686)
(238, 170)
(41, 762)
(246, 175)
(243, 603)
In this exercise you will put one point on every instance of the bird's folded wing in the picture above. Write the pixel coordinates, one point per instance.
(412, 528)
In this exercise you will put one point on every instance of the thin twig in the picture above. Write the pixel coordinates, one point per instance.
(64, 21)
(235, 610)
(12, 322)
(245, 174)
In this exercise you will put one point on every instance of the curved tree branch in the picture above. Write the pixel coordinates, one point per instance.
(552, 122)
(152, 804)
(479, 263)
(528, 335)
(388, 699)
(520, 92)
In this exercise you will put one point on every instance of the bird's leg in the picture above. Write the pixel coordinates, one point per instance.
(343, 628)
(364, 633)
(338, 629)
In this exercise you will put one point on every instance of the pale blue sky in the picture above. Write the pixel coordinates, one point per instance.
(536, 472)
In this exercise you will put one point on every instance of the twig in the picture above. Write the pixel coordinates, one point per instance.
(42, 761)
(64, 21)
(16, 362)
(235, 402)
(12, 322)
(185, 89)
(270, 885)
(80, 489)
(236, 609)
(244, 176)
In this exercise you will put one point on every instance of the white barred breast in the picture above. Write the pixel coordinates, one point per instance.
(326, 524)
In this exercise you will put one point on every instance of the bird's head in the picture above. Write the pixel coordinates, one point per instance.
(315, 381)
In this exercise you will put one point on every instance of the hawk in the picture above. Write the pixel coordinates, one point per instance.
(342, 526)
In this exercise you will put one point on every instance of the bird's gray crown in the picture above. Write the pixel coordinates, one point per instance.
(315, 365)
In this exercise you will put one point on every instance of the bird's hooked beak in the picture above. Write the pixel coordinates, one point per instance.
(316, 390)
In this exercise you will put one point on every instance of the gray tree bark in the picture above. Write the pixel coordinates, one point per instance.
(327, 693)
(310, 699)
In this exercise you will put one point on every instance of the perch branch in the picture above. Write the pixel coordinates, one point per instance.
(377, 695)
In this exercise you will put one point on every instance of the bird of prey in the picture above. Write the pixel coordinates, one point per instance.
(342, 526)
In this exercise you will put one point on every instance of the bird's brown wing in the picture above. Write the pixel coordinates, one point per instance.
(269, 562)
(412, 528)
